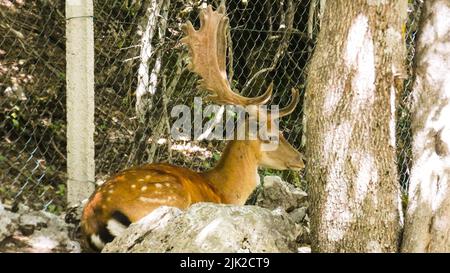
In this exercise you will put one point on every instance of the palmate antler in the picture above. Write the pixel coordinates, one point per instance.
(207, 49)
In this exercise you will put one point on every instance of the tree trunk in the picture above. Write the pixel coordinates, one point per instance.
(350, 130)
(152, 23)
(146, 84)
(427, 227)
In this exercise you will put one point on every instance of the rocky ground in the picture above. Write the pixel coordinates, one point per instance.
(275, 220)
(26, 230)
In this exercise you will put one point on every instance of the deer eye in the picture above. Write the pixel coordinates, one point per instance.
(270, 139)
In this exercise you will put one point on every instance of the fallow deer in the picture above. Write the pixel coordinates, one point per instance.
(133, 193)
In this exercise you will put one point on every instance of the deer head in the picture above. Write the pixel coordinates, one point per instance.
(208, 52)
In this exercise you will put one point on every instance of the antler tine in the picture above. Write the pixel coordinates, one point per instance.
(292, 104)
(207, 48)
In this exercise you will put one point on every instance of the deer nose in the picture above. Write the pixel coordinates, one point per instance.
(296, 165)
(300, 163)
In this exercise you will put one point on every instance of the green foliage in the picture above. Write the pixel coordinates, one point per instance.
(52, 208)
(293, 177)
(61, 190)
(405, 201)
(13, 116)
(216, 156)
(32, 115)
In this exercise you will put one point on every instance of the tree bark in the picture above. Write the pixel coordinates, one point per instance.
(350, 130)
(146, 84)
(154, 23)
(427, 227)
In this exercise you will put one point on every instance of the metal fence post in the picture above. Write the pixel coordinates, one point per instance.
(80, 100)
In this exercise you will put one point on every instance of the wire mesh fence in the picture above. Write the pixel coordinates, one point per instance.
(140, 74)
(268, 41)
(32, 103)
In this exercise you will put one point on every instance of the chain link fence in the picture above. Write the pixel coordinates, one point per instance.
(404, 134)
(32, 103)
(268, 41)
(140, 74)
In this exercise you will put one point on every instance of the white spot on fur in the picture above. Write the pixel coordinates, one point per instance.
(144, 188)
(158, 185)
(171, 198)
(111, 191)
(154, 199)
(115, 227)
(95, 239)
(133, 186)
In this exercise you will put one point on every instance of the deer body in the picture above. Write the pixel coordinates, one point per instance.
(134, 193)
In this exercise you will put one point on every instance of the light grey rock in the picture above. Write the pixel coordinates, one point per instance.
(278, 223)
(22, 209)
(51, 232)
(155, 222)
(8, 223)
(207, 227)
(34, 218)
(34, 231)
(304, 249)
(298, 214)
(277, 193)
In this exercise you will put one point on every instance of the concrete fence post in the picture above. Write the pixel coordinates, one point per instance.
(80, 100)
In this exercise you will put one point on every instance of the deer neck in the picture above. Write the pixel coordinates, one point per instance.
(236, 175)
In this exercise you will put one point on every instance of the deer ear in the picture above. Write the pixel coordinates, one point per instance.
(267, 137)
